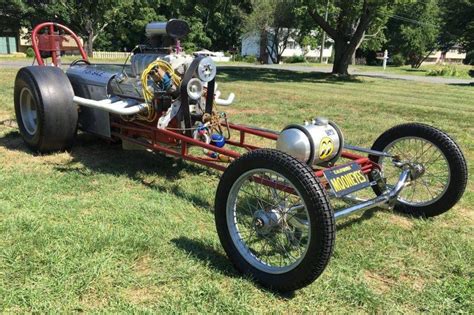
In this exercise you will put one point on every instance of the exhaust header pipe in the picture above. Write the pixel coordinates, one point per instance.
(113, 105)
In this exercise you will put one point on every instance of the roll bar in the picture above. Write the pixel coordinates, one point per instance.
(52, 42)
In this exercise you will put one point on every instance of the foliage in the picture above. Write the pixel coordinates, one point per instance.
(398, 60)
(88, 18)
(120, 24)
(215, 25)
(30, 53)
(445, 71)
(276, 23)
(13, 14)
(295, 59)
(249, 59)
(348, 23)
(306, 42)
(457, 24)
(413, 32)
(469, 58)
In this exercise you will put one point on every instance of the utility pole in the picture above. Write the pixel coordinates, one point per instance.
(324, 34)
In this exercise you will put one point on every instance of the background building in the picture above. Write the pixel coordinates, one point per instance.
(252, 46)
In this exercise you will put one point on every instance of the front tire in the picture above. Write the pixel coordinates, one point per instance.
(44, 108)
(444, 168)
(281, 238)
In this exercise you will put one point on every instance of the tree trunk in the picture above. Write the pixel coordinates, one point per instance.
(263, 47)
(89, 30)
(342, 57)
(89, 46)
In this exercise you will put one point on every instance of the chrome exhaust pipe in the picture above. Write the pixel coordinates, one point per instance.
(113, 105)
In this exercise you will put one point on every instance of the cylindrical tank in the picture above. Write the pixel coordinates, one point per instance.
(317, 143)
(174, 28)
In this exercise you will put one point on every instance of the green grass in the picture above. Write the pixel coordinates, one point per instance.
(462, 71)
(104, 229)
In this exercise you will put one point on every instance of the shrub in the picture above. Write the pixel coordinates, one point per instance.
(295, 59)
(331, 59)
(250, 59)
(30, 53)
(445, 71)
(469, 58)
(398, 60)
(238, 57)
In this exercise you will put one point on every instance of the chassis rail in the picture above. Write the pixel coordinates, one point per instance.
(150, 137)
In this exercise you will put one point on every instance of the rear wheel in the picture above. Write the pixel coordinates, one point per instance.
(44, 108)
(439, 163)
(274, 220)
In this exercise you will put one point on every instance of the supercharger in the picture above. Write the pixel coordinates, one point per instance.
(318, 142)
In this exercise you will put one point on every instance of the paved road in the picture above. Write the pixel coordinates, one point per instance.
(383, 75)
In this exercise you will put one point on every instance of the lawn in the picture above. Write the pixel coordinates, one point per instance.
(101, 229)
(455, 70)
(461, 70)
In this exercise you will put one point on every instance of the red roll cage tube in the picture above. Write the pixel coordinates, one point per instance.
(52, 41)
(135, 132)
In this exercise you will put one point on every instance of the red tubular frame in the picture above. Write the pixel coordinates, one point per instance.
(135, 131)
(53, 48)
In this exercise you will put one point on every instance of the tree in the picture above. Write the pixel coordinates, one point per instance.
(215, 24)
(307, 42)
(13, 14)
(276, 23)
(349, 21)
(458, 24)
(86, 17)
(413, 31)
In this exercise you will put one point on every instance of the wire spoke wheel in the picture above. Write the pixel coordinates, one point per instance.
(440, 171)
(261, 221)
(274, 219)
(436, 174)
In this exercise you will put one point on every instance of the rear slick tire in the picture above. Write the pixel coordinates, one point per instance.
(282, 240)
(44, 108)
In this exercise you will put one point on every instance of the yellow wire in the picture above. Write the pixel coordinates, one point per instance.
(147, 93)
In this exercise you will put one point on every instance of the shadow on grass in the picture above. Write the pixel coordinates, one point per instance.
(205, 253)
(368, 214)
(232, 74)
(91, 154)
(470, 84)
(415, 70)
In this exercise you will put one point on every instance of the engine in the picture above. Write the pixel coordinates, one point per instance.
(166, 81)
(157, 71)
(318, 142)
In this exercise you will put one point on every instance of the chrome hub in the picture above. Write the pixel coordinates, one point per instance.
(265, 222)
(417, 170)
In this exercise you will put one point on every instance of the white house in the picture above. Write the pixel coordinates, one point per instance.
(454, 55)
(251, 45)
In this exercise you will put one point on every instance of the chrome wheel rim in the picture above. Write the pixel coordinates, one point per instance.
(29, 111)
(269, 227)
(432, 184)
